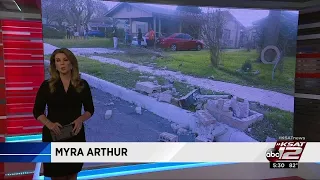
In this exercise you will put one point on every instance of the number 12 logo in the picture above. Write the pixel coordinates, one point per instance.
(290, 153)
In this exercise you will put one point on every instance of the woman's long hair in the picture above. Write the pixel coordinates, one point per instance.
(54, 73)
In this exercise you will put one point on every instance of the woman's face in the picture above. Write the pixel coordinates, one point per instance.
(62, 63)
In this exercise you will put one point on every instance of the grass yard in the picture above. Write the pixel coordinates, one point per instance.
(134, 55)
(276, 123)
(81, 43)
(197, 63)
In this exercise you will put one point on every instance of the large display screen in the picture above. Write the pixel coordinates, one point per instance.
(179, 73)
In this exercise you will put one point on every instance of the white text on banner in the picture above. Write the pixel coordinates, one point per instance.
(170, 152)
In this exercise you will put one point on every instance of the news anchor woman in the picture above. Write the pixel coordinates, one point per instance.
(64, 94)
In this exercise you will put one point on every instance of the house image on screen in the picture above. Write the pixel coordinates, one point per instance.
(165, 21)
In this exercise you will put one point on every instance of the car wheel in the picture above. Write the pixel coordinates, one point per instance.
(199, 47)
(173, 47)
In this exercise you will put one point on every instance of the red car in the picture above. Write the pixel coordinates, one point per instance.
(180, 41)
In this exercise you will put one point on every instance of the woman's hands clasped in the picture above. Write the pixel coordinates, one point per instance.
(77, 126)
(55, 127)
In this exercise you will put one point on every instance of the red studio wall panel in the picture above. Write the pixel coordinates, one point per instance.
(21, 73)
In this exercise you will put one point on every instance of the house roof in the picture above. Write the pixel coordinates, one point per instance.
(160, 11)
(229, 15)
(144, 7)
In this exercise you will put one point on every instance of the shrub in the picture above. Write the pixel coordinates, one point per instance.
(52, 33)
(247, 66)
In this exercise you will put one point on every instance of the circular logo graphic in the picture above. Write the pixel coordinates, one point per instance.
(272, 155)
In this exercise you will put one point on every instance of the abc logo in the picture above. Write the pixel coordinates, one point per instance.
(272, 155)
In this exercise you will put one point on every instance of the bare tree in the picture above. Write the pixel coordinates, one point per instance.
(71, 11)
(47, 11)
(211, 23)
(54, 11)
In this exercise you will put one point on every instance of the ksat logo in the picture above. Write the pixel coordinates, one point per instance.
(286, 151)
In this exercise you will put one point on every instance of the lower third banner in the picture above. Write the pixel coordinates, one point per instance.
(224, 152)
(25, 152)
(144, 152)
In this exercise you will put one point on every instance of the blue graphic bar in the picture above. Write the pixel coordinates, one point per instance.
(25, 148)
(24, 138)
(25, 158)
(137, 169)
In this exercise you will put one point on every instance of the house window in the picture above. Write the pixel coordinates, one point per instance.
(129, 8)
(143, 28)
(226, 34)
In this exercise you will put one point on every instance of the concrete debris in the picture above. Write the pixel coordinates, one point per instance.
(205, 118)
(168, 86)
(151, 77)
(170, 81)
(165, 97)
(175, 101)
(110, 104)
(214, 97)
(227, 106)
(184, 126)
(174, 127)
(138, 110)
(240, 109)
(256, 72)
(154, 95)
(218, 131)
(174, 90)
(230, 111)
(204, 130)
(168, 137)
(189, 99)
(147, 87)
(202, 139)
(220, 103)
(155, 82)
(199, 106)
(108, 114)
(182, 131)
(167, 92)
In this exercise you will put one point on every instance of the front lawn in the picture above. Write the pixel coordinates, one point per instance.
(81, 43)
(197, 63)
(276, 123)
